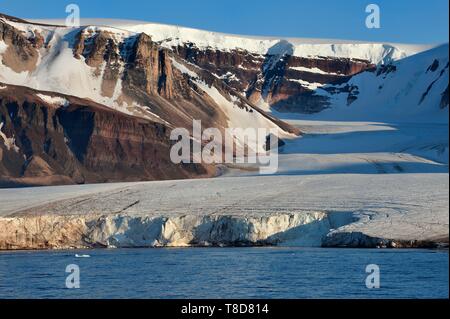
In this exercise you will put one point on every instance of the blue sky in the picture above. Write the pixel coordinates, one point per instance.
(417, 21)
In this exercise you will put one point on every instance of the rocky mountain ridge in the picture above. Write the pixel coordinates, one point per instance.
(168, 76)
(81, 142)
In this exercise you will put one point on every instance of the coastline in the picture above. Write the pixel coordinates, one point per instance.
(231, 212)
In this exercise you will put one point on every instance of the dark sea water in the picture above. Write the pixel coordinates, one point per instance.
(226, 273)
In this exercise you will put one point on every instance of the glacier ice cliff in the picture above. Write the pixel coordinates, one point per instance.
(126, 231)
(334, 210)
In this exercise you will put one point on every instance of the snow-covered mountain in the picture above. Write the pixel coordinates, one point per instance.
(283, 72)
(122, 70)
(128, 73)
(171, 36)
(413, 89)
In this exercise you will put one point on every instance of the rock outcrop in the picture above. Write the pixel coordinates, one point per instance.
(21, 54)
(361, 240)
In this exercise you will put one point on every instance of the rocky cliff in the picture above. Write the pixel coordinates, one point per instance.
(276, 79)
(56, 139)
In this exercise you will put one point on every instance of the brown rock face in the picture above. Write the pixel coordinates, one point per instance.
(236, 68)
(149, 66)
(146, 76)
(21, 54)
(275, 77)
(78, 48)
(82, 142)
(279, 82)
(98, 50)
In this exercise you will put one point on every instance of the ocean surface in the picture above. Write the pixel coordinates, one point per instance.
(226, 273)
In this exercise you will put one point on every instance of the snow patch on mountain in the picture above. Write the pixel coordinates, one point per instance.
(183, 69)
(312, 70)
(54, 100)
(9, 142)
(309, 85)
(3, 47)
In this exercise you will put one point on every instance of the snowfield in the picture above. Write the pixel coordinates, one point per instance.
(366, 148)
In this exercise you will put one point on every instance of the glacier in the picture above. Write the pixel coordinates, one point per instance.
(314, 210)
